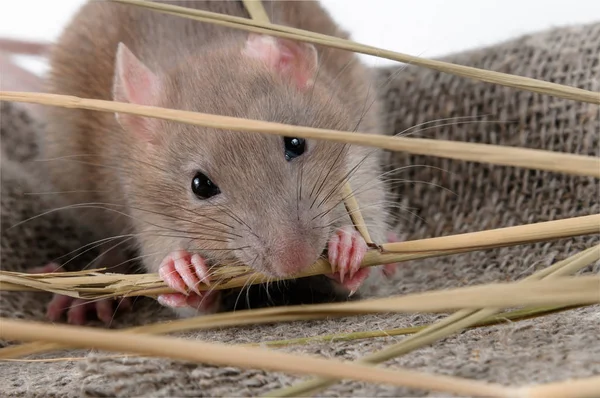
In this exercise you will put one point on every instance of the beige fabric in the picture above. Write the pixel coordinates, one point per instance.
(478, 197)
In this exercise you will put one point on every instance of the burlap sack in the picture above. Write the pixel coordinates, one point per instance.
(440, 197)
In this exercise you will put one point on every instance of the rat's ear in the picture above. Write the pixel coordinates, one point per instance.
(296, 59)
(134, 83)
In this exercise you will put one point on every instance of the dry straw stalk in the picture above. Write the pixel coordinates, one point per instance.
(582, 388)
(244, 357)
(94, 285)
(260, 26)
(507, 316)
(244, 318)
(562, 292)
(466, 151)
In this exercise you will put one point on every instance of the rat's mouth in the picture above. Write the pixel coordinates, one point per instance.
(295, 268)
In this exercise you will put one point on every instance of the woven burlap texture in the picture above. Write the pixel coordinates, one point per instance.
(440, 197)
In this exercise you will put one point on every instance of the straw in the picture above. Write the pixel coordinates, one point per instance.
(503, 79)
(95, 285)
(244, 357)
(466, 151)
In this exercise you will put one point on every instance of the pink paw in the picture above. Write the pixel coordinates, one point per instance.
(390, 269)
(346, 250)
(78, 309)
(184, 272)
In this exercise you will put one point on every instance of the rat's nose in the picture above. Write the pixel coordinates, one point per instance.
(294, 258)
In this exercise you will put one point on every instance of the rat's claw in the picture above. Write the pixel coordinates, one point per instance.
(332, 251)
(184, 272)
(201, 269)
(346, 250)
(170, 274)
(173, 300)
(78, 309)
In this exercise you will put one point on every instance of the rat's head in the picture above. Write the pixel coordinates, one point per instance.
(267, 201)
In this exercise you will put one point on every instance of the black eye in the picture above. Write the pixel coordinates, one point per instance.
(203, 187)
(294, 147)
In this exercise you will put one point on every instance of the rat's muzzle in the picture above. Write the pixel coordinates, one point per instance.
(293, 258)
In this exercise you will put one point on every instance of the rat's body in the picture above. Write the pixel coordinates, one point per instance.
(273, 213)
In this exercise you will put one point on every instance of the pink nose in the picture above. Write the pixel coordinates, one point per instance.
(294, 259)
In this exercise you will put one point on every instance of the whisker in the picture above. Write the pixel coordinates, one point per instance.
(103, 253)
(393, 182)
(347, 177)
(342, 149)
(234, 217)
(89, 244)
(95, 247)
(185, 220)
(197, 214)
(106, 166)
(101, 206)
(412, 166)
(63, 192)
(69, 157)
(375, 205)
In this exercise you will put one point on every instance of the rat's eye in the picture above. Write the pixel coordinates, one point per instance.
(294, 147)
(203, 187)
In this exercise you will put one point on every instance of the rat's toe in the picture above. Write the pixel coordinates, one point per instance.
(187, 274)
(201, 269)
(77, 313)
(105, 310)
(173, 300)
(206, 302)
(349, 248)
(355, 281)
(171, 276)
(58, 306)
(124, 304)
(389, 270)
(192, 270)
(333, 252)
(184, 272)
(357, 253)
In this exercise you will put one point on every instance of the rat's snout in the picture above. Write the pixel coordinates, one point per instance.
(292, 258)
(283, 252)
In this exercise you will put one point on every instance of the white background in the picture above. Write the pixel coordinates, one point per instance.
(426, 28)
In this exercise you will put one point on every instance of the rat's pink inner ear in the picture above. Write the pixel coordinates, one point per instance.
(295, 59)
(134, 83)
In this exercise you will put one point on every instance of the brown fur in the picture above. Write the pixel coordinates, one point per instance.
(203, 71)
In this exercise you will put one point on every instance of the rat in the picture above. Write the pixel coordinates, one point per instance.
(191, 198)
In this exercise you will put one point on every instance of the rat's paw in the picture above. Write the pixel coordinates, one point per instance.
(78, 309)
(184, 272)
(346, 250)
(390, 269)
(204, 303)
